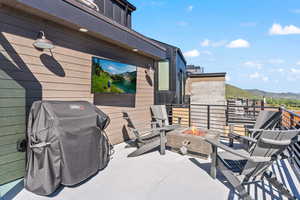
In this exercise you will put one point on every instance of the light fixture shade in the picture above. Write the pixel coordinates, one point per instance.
(43, 43)
(149, 70)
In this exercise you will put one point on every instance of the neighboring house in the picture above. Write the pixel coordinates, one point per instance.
(193, 69)
(207, 89)
(79, 32)
(170, 77)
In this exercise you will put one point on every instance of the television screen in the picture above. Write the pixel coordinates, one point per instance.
(113, 77)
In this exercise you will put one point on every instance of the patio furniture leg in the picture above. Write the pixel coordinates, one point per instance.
(231, 130)
(162, 142)
(244, 195)
(213, 168)
(234, 181)
(145, 148)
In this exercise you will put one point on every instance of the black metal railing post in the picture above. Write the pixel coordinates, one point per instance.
(247, 107)
(231, 131)
(281, 117)
(262, 105)
(254, 110)
(227, 113)
(208, 116)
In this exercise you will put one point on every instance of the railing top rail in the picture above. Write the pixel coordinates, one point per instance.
(290, 112)
(224, 105)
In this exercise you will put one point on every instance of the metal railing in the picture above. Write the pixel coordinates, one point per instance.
(235, 118)
(219, 116)
(291, 120)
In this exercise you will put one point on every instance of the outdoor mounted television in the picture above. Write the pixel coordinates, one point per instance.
(113, 77)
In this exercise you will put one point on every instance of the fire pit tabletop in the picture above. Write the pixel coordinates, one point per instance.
(193, 140)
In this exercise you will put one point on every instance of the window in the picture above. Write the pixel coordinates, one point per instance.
(163, 75)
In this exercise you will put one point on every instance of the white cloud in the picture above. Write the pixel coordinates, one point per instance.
(195, 53)
(253, 64)
(206, 52)
(228, 78)
(293, 74)
(296, 11)
(205, 43)
(112, 68)
(191, 54)
(296, 71)
(239, 43)
(254, 76)
(182, 23)
(265, 78)
(277, 29)
(298, 63)
(209, 43)
(280, 70)
(276, 61)
(190, 8)
(259, 76)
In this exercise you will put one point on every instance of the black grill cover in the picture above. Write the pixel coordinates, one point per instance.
(66, 144)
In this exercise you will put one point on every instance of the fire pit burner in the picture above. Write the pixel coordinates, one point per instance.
(195, 131)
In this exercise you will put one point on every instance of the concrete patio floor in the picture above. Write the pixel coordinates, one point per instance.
(154, 177)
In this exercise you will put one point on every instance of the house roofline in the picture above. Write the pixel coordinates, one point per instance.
(127, 3)
(176, 49)
(201, 75)
(74, 15)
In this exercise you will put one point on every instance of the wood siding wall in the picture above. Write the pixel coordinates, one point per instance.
(27, 74)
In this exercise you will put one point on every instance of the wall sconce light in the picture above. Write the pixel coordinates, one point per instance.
(42, 42)
(149, 70)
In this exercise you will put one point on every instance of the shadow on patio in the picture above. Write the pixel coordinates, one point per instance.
(152, 176)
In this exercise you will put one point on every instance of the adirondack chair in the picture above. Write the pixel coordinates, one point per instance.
(265, 120)
(146, 139)
(241, 167)
(161, 117)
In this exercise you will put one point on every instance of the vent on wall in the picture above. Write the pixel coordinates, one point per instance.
(90, 4)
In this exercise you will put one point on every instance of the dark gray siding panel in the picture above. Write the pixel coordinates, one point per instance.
(123, 17)
(109, 9)
(117, 13)
(129, 20)
(61, 11)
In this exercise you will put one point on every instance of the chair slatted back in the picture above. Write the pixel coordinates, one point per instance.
(265, 120)
(160, 111)
(271, 143)
(130, 124)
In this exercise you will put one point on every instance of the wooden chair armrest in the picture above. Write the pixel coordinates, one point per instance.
(158, 118)
(241, 137)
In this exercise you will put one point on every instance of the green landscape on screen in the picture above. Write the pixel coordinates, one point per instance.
(113, 77)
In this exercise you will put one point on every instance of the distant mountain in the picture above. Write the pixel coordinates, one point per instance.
(233, 91)
(286, 95)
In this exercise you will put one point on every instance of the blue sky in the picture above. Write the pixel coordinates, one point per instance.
(257, 42)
